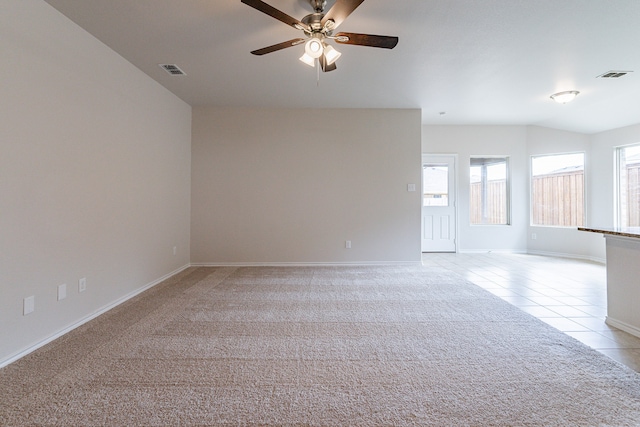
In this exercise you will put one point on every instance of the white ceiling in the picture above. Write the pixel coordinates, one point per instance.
(480, 61)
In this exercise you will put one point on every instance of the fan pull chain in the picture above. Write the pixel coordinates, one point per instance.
(317, 72)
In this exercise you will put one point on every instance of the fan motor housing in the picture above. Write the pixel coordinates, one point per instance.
(314, 21)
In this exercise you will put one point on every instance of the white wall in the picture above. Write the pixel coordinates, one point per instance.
(291, 186)
(467, 141)
(568, 241)
(94, 175)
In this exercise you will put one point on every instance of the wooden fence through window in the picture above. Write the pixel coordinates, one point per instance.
(496, 202)
(558, 199)
(633, 195)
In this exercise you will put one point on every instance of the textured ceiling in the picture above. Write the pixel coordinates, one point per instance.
(481, 62)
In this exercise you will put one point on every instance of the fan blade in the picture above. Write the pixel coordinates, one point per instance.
(340, 11)
(277, 47)
(323, 64)
(275, 13)
(386, 42)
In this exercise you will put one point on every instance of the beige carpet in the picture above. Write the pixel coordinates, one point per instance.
(318, 346)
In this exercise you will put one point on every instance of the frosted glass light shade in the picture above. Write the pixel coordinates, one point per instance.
(564, 97)
(308, 60)
(331, 54)
(313, 48)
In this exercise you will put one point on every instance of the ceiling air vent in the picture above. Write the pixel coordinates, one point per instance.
(613, 74)
(173, 69)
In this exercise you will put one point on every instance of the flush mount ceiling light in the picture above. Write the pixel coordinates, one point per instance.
(318, 28)
(565, 97)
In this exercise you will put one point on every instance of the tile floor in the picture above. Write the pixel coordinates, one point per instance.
(568, 294)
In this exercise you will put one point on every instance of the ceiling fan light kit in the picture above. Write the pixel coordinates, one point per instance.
(318, 28)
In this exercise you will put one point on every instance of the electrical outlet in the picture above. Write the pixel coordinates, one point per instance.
(82, 284)
(62, 292)
(347, 244)
(534, 236)
(28, 305)
(175, 250)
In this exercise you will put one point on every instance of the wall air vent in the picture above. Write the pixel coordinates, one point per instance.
(173, 69)
(613, 74)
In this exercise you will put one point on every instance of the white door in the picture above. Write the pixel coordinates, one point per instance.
(438, 203)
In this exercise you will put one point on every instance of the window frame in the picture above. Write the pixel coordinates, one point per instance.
(617, 206)
(507, 162)
(584, 188)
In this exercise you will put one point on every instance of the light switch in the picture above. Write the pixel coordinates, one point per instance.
(411, 187)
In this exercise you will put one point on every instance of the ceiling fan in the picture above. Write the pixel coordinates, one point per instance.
(318, 28)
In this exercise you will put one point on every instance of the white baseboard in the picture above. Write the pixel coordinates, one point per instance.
(570, 256)
(306, 264)
(633, 330)
(86, 319)
(492, 251)
(530, 252)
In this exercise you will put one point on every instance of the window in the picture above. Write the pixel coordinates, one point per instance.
(435, 184)
(628, 162)
(557, 190)
(489, 195)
